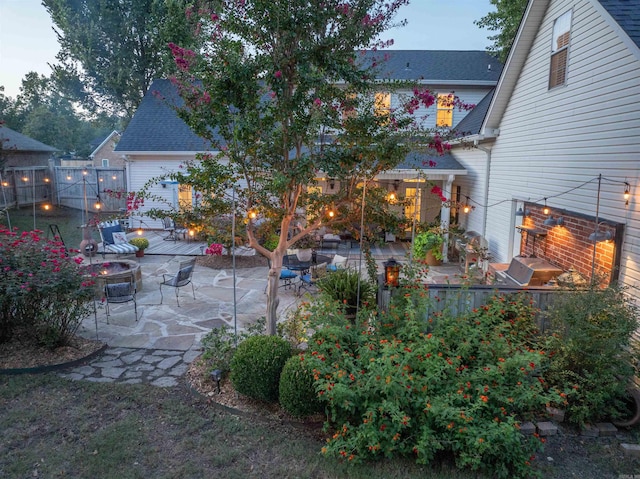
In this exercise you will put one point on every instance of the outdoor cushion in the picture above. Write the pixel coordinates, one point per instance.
(107, 233)
(287, 274)
(119, 237)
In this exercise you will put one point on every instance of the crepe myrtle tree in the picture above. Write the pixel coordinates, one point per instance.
(284, 91)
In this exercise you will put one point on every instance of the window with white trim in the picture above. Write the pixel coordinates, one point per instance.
(105, 162)
(444, 110)
(560, 50)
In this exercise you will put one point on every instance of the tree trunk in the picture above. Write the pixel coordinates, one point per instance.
(275, 266)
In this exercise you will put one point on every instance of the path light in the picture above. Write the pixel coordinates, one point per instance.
(216, 375)
(391, 272)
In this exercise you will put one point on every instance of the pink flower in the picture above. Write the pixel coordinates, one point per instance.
(278, 74)
(214, 249)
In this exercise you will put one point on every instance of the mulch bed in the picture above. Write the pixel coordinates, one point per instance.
(23, 355)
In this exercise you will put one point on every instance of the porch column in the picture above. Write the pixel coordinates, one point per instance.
(445, 213)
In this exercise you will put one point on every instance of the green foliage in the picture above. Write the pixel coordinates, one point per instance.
(428, 241)
(272, 242)
(263, 98)
(505, 20)
(219, 345)
(139, 241)
(257, 364)
(297, 394)
(43, 295)
(400, 385)
(114, 75)
(344, 285)
(590, 345)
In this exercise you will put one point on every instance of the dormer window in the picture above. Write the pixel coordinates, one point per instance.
(560, 50)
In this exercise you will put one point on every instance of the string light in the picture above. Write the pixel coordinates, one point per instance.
(545, 210)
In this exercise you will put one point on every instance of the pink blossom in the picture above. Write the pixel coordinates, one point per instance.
(214, 249)
(278, 74)
(317, 102)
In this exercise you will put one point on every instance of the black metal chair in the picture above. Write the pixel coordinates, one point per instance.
(182, 278)
(120, 290)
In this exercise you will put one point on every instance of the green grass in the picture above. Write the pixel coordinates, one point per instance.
(53, 427)
(67, 220)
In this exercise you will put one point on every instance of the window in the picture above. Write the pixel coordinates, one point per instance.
(382, 105)
(105, 163)
(185, 197)
(560, 50)
(444, 112)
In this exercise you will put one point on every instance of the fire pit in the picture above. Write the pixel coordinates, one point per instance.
(121, 269)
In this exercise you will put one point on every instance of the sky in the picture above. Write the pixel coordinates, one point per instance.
(28, 43)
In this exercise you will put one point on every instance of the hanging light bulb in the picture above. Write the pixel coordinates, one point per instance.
(252, 214)
(466, 208)
(545, 210)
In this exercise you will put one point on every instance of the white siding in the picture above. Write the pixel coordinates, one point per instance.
(427, 116)
(142, 168)
(552, 141)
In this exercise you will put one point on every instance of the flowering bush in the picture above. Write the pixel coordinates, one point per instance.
(401, 384)
(43, 295)
(214, 249)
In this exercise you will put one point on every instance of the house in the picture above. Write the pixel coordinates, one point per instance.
(18, 150)
(157, 142)
(555, 166)
(103, 154)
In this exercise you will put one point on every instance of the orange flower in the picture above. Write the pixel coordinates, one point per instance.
(484, 398)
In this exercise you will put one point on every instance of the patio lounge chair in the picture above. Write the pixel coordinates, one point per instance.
(182, 278)
(120, 290)
(117, 243)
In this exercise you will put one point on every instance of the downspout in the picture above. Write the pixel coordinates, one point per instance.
(487, 173)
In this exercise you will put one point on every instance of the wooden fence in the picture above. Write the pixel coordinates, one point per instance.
(64, 186)
(459, 299)
(25, 186)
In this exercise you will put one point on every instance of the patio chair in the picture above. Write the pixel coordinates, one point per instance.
(114, 239)
(337, 262)
(120, 290)
(180, 279)
(170, 226)
(287, 278)
(308, 281)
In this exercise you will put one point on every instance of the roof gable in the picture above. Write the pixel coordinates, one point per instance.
(155, 127)
(12, 140)
(625, 14)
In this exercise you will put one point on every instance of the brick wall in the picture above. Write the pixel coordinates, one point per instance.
(568, 245)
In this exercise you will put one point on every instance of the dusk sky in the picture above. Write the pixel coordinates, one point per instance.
(28, 43)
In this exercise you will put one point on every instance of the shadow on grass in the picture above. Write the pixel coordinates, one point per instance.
(53, 427)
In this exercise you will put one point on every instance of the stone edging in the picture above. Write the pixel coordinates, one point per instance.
(53, 367)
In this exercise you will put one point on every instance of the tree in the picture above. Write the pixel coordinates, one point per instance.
(505, 21)
(112, 50)
(286, 95)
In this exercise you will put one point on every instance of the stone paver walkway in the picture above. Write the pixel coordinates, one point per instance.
(158, 367)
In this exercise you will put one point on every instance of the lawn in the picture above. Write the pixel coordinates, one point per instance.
(54, 427)
(67, 220)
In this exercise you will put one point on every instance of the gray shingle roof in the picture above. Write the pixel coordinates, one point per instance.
(627, 14)
(415, 159)
(471, 124)
(156, 127)
(433, 66)
(12, 140)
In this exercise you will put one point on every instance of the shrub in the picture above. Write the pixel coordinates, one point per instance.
(404, 384)
(219, 344)
(342, 286)
(257, 364)
(297, 394)
(43, 294)
(590, 349)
